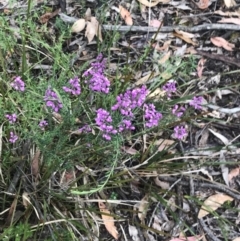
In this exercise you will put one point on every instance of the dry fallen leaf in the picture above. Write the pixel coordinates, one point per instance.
(133, 232)
(146, 78)
(224, 168)
(180, 5)
(227, 13)
(155, 23)
(45, 17)
(236, 239)
(185, 36)
(233, 173)
(142, 207)
(90, 31)
(67, 177)
(180, 51)
(200, 67)
(191, 50)
(230, 3)
(224, 140)
(163, 144)
(153, 2)
(78, 26)
(157, 223)
(98, 28)
(129, 150)
(11, 212)
(35, 164)
(57, 117)
(202, 4)
(212, 203)
(192, 238)
(221, 42)
(108, 220)
(230, 20)
(155, 96)
(26, 200)
(165, 58)
(27, 203)
(126, 15)
(88, 15)
(163, 185)
(165, 46)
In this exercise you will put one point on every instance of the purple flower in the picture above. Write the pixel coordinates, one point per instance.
(196, 102)
(42, 124)
(12, 117)
(180, 132)
(85, 129)
(170, 87)
(104, 120)
(125, 125)
(13, 138)
(152, 117)
(97, 81)
(18, 84)
(130, 100)
(178, 111)
(75, 87)
(52, 100)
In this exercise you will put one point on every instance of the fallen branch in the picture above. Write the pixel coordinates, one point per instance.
(167, 29)
(207, 184)
(223, 58)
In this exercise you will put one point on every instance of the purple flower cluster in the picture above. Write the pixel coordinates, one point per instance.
(18, 84)
(152, 117)
(130, 100)
(170, 87)
(126, 103)
(178, 110)
(85, 129)
(180, 132)
(11, 118)
(104, 121)
(43, 124)
(97, 80)
(125, 125)
(196, 102)
(75, 87)
(13, 137)
(52, 100)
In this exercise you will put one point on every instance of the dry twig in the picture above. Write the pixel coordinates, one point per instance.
(167, 29)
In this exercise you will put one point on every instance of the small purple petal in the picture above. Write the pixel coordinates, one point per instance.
(180, 132)
(18, 84)
(75, 87)
(11, 117)
(178, 111)
(42, 124)
(152, 117)
(196, 102)
(104, 120)
(97, 81)
(52, 100)
(13, 137)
